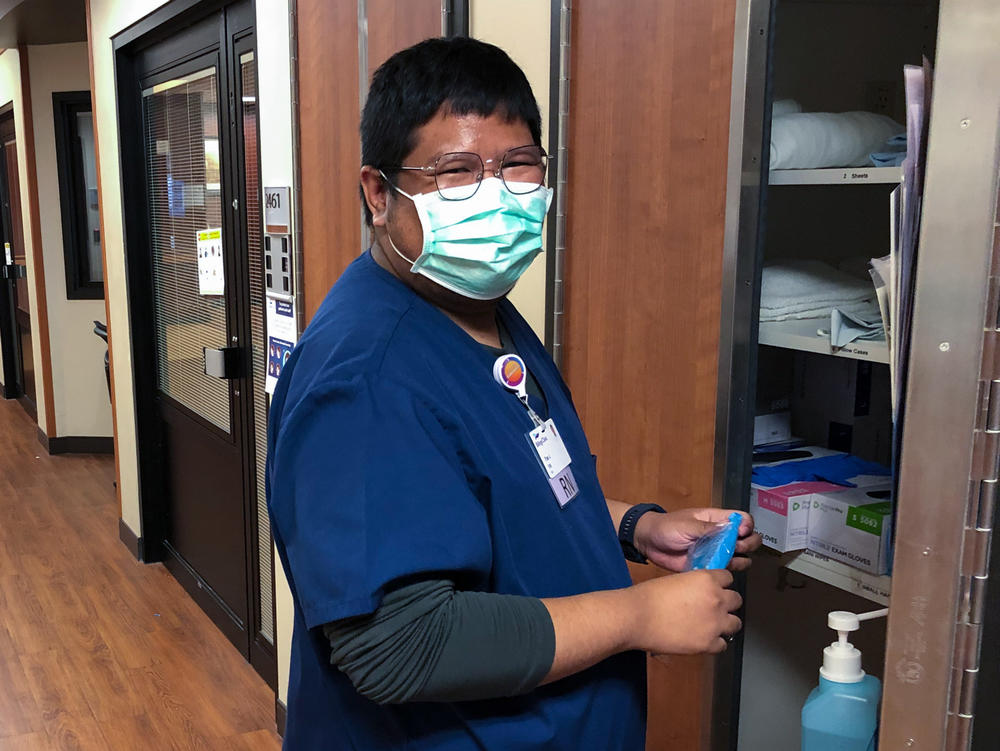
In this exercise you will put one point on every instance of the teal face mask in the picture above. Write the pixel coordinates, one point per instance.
(480, 246)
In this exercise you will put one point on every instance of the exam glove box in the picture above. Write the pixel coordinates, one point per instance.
(781, 514)
(853, 526)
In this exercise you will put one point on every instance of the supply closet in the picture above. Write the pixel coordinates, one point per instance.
(822, 380)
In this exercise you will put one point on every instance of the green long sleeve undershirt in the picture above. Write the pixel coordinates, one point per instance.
(429, 642)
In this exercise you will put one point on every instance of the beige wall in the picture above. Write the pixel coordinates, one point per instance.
(10, 92)
(523, 29)
(79, 392)
(107, 18)
(276, 169)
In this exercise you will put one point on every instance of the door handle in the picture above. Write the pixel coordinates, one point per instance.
(15, 271)
(222, 362)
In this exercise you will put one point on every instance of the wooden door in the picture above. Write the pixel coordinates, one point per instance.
(648, 139)
(191, 245)
(393, 26)
(329, 115)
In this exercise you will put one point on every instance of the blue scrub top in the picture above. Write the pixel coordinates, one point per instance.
(392, 455)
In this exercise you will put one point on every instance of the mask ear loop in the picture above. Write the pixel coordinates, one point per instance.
(389, 236)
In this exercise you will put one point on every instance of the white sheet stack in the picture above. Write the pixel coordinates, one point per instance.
(819, 140)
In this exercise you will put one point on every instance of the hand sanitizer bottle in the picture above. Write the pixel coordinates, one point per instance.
(841, 714)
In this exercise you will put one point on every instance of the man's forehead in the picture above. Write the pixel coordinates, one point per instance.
(448, 131)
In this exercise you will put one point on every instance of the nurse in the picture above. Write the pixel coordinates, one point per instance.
(459, 578)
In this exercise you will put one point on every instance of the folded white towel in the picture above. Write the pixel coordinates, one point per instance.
(817, 140)
(863, 308)
(810, 289)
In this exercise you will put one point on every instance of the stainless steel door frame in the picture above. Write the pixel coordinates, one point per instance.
(746, 186)
(942, 544)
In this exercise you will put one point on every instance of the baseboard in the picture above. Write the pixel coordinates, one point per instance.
(29, 406)
(280, 715)
(81, 444)
(76, 444)
(130, 540)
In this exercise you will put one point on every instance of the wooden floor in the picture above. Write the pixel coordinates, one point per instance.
(97, 650)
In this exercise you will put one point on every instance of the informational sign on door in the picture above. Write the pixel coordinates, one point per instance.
(282, 334)
(8, 254)
(211, 271)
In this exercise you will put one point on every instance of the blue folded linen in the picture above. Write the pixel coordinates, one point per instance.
(894, 154)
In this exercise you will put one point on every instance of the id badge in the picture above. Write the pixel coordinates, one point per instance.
(555, 460)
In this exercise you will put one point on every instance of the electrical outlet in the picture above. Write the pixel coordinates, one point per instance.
(880, 96)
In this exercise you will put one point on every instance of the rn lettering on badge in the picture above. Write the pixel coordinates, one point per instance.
(550, 448)
(564, 487)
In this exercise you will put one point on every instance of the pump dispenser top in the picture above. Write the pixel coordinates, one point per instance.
(842, 660)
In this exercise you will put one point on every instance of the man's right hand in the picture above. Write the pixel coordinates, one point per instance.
(689, 613)
(685, 613)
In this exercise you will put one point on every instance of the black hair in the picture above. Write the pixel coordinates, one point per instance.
(409, 88)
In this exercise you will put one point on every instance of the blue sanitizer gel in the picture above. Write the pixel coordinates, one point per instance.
(715, 550)
(841, 713)
(841, 716)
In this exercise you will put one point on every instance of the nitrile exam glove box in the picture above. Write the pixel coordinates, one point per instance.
(782, 511)
(781, 514)
(854, 526)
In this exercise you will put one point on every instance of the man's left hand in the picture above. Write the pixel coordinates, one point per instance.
(665, 538)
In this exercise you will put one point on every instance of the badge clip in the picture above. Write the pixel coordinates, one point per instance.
(511, 373)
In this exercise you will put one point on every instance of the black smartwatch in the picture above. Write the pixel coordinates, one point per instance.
(626, 530)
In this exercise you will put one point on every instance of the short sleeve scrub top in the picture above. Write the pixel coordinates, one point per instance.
(394, 455)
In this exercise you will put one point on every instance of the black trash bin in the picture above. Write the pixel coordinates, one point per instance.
(102, 331)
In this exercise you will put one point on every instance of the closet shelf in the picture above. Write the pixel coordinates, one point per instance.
(836, 574)
(836, 176)
(801, 335)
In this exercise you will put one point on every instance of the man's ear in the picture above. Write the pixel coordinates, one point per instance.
(376, 190)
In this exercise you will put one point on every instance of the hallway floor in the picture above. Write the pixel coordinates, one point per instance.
(97, 650)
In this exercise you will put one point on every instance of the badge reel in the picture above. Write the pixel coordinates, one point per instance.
(511, 373)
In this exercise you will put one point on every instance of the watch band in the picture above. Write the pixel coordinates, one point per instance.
(626, 530)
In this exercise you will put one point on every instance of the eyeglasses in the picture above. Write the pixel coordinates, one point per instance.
(457, 175)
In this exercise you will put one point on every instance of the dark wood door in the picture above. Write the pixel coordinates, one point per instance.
(648, 139)
(19, 375)
(197, 237)
(329, 145)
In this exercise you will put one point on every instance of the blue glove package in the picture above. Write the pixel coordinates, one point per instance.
(715, 550)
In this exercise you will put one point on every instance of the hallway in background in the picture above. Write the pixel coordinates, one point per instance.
(97, 650)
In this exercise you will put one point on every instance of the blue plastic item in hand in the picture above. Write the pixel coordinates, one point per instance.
(715, 550)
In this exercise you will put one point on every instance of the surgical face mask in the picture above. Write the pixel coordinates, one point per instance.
(479, 247)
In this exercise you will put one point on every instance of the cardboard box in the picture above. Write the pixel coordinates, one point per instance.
(854, 526)
(781, 514)
(775, 427)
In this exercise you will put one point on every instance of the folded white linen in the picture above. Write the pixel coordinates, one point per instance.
(864, 308)
(817, 140)
(810, 289)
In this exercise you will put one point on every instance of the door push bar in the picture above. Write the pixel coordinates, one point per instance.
(223, 362)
